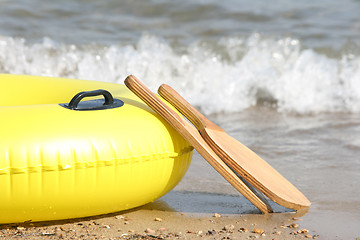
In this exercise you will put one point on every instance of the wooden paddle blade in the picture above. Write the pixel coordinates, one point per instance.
(255, 170)
(190, 133)
(238, 157)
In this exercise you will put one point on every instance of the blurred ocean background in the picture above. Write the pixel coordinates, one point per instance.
(283, 77)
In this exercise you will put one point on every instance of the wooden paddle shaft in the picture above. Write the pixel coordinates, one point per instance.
(191, 113)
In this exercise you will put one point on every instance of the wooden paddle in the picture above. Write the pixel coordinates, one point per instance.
(190, 133)
(238, 157)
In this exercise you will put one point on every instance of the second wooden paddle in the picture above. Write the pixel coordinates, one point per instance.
(188, 132)
(238, 157)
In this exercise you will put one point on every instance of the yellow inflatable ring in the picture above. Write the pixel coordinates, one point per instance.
(60, 160)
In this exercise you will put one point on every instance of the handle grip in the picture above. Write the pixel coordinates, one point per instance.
(98, 104)
(78, 97)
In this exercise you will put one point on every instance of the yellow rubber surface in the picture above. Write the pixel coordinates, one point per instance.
(57, 163)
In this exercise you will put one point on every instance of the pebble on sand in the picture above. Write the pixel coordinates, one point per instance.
(258, 230)
(242, 229)
(150, 231)
(294, 225)
(229, 228)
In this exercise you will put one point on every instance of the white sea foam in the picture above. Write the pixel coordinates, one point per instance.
(229, 76)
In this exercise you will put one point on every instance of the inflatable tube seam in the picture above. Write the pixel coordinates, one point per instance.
(91, 164)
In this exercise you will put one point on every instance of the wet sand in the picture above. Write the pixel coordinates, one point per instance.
(158, 220)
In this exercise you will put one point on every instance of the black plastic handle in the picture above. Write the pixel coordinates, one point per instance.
(98, 104)
(78, 97)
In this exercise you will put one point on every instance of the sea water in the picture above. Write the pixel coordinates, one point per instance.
(281, 77)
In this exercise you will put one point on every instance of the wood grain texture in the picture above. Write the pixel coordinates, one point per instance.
(190, 133)
(240, 158)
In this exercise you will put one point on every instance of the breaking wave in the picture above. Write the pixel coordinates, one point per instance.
(230, 75)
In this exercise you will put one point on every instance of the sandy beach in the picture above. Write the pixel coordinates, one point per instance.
(157, 221)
